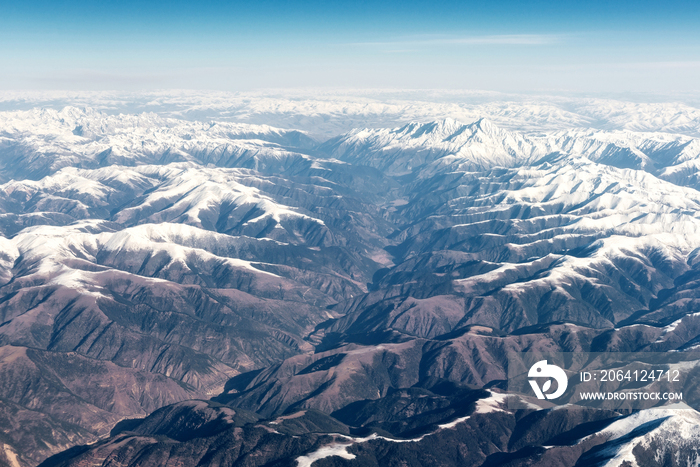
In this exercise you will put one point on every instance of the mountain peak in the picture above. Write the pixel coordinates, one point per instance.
(485, 125)
(449, 123)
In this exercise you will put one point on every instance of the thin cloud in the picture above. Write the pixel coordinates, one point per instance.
(502, 39)
(681, 64)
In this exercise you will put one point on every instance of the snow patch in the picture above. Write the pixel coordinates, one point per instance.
(486, 405)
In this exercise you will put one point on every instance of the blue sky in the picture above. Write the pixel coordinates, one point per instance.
(516, 46)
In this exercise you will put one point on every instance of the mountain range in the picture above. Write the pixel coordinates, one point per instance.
(215, 292)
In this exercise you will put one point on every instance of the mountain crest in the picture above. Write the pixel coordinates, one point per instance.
(485, 125)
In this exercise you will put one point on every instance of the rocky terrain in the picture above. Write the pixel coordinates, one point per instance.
(210, 292)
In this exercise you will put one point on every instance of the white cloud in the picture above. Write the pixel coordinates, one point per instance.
(501, 39)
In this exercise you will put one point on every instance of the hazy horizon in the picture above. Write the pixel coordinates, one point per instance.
(639, 47)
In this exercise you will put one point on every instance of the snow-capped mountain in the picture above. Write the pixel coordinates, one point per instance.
(328, 113)
(39, 142)
(402, 150)
(644, 438)
(481, 145)
(367, 285)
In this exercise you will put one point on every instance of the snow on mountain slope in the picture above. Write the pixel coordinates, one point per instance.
(310, 211)
(39, 142)
(669, 117)
(328, 113)
(90, 123)
(651, 437)
(400, 151)
(338, 112)
(65, 262)
(198, 196)
(565, 240)
(674, 158)
(481, 145)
